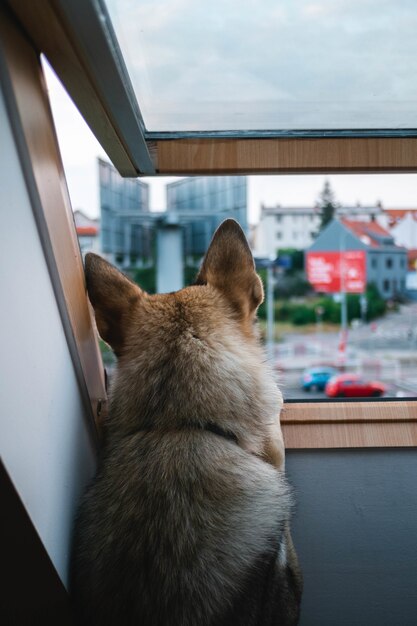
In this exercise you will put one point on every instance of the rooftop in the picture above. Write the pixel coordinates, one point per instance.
(370, 233)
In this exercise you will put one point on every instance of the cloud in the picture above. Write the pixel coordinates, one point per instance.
(359, 56)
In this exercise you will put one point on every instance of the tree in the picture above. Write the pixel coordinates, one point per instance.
(327, 205)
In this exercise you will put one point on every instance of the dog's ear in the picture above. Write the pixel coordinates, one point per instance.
(229, 266)
(113, 296)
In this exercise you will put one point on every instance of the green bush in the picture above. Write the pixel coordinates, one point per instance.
(292, 285)
(302, 314)
(296, 256)
(376, 305)
(353, 306)
(190, 274)
(331, 309)
(145, 277)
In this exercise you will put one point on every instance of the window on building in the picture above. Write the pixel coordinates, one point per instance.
(374, 263)
(388, 263)
(386, 285)
(278, 218)
(279, 235)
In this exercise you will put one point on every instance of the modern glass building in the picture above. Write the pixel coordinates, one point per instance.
(125, 235)
(199, 204)
(203, 203)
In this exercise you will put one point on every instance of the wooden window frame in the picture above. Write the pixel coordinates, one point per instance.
(51, 30)
(26, 99)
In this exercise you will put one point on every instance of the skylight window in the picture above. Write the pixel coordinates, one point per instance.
(271, 66)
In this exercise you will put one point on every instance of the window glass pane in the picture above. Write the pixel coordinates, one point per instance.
(281, 65)
(343, 223)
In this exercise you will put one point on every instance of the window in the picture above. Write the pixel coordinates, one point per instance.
(309, 424)
(279, 235)
(374, 263)
(388, 263)
(386, 285)
(209, 153)
(275, 93)
(278, 218)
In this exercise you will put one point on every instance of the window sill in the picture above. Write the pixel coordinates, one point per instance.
(355, 424)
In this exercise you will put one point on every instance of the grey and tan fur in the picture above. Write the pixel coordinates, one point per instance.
(186, 522)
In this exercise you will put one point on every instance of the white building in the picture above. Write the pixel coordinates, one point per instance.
(403, 227)
(296, 227)
(286, 227)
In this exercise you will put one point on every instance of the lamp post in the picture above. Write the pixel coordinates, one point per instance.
(343, 302)
(268, 263)
(270, 309)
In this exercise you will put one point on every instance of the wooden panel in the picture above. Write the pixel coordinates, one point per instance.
(41, 21)
(350, 424)
(38, 149)
(349, 412)
(246, 156)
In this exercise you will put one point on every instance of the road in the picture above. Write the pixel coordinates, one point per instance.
(384, 350)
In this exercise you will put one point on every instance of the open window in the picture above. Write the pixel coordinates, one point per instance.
(321, 106)
(169, 89)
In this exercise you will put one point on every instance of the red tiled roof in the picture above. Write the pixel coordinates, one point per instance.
(366, 229)
(87, 230)
(395, 215)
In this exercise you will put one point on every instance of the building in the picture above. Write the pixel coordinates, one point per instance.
(88, 232)
(386, 263)
(364, 213)
(133, 236)
(286, 227)
(202, 203)
(197, 205)
(296, 227)
(126, 226)
(402, 224)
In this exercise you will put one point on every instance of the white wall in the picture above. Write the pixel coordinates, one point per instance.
(293, 230)
(405, 232)
(44, 438)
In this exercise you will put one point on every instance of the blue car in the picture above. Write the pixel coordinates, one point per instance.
(316, 378)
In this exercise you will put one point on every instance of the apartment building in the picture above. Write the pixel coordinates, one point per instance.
(296, 227)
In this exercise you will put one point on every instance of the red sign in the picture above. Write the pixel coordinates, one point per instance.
(325, 271)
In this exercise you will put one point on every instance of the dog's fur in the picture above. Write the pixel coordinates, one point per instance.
(186, 522)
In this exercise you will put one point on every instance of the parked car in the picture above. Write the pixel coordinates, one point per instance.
(353, 386)
(315, 378)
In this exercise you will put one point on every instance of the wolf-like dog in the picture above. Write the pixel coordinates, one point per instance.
(187, 520)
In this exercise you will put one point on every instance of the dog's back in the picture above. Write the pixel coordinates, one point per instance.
(186, 523)
(175, 527)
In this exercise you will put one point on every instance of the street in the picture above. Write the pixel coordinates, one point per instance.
(384, 350)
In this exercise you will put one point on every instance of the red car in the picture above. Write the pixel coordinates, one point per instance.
(353, 386)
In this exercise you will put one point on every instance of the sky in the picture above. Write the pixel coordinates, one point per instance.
(272, 64)
(80, 149)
